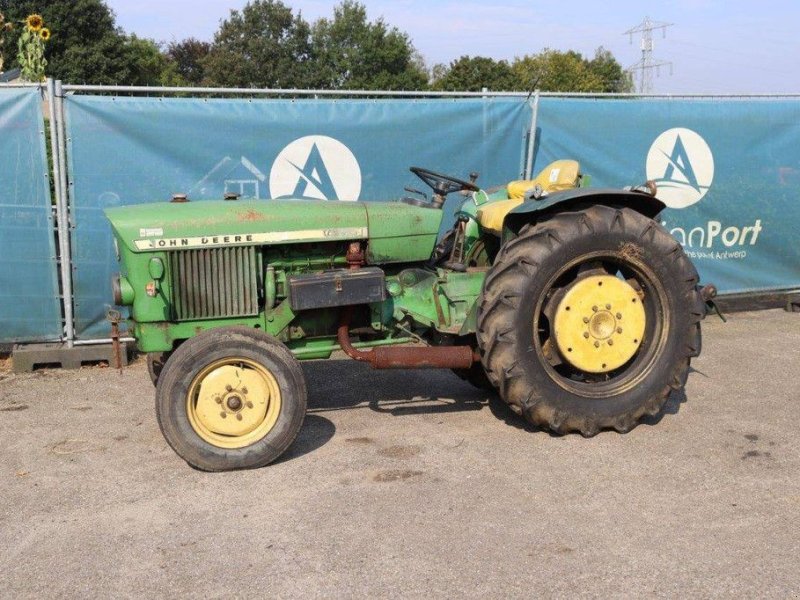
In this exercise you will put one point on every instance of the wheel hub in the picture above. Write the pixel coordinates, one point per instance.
(599, 323)
(233, 405)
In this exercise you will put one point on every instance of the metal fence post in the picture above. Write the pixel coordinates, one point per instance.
(532, 136)
(60, 217)
(62, 208)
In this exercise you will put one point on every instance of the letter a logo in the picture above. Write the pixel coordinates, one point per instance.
(315, 167)
(314, 174)
(681, 164)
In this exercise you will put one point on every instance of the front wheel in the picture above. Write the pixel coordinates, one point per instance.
(231, 398)
(588, 320)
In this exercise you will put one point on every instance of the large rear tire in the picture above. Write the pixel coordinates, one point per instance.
(231, 398)
(571, 355)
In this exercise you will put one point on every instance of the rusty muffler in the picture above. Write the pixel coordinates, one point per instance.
(425, 357)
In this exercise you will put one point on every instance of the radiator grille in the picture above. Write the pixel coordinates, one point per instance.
(214, 282)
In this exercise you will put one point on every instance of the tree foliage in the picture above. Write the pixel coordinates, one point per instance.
(550, 70)
(613, 76)
(473, 73)
(350, 52)
(264, 45)
(187, 58)
(86, 46)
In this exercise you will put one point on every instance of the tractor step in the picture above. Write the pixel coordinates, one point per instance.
(25, 358)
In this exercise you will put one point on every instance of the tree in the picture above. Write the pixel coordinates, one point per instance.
(611, 73)
(187, 58)
(557, 71)
(264, 45)
(473, 73)
(350, 52)
(85, 43)
(143, 63)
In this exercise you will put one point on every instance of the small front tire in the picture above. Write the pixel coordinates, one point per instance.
(231, 398)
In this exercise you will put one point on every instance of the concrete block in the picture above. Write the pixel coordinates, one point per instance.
(26, 357)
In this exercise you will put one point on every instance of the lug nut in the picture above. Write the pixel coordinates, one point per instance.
(619, 329)
(585, 319)
(228, 388)
(218, 400)
(594, 308)
(244, 390)
(586, 334)
(608, 307)
(597, 344)
(223, 414)
(619, 315)
(610, 342)
(239, 416)
(249, 405)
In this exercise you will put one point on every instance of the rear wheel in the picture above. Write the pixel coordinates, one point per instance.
(231, 398)
(588, 320)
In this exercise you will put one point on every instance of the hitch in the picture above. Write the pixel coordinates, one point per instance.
(708, 293)
(114, 317)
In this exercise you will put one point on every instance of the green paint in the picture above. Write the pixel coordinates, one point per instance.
(302, 236)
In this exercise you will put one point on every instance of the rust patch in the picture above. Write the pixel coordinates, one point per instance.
(400, 451)
(395, 475)
(630, 251)
(250, 215)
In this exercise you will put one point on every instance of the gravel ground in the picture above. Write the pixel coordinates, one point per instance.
(413, 484)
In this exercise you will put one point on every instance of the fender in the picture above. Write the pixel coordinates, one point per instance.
(533, 210)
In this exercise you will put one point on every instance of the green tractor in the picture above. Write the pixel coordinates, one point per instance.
(573, 303)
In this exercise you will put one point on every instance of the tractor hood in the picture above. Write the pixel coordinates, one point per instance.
(391, 227)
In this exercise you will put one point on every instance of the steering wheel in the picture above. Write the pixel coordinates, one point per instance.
(443, 184)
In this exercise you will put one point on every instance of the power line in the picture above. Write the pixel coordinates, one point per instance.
(648, 64)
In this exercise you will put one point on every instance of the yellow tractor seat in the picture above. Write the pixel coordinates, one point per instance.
(557, 176)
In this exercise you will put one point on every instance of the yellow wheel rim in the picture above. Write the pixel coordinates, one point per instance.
(233, 402)
(599, 323)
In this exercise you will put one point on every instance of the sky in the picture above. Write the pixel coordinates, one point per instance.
(715, 47)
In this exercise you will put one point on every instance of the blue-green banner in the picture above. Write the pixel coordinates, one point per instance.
(129, 150)
(729, 170)
(29, 301)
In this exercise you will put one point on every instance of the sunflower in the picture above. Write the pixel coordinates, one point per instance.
(44, 34)
(34, 22)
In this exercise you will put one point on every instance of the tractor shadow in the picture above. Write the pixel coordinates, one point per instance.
(315, 433)
(335, 385)
(349, 385)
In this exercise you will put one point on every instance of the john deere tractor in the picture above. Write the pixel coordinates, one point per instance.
(573, 303)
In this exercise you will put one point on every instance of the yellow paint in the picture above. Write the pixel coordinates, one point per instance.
(555, 177)
(233, 402)
(599, 323)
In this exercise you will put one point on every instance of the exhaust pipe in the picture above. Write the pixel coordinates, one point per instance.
(383, 357)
